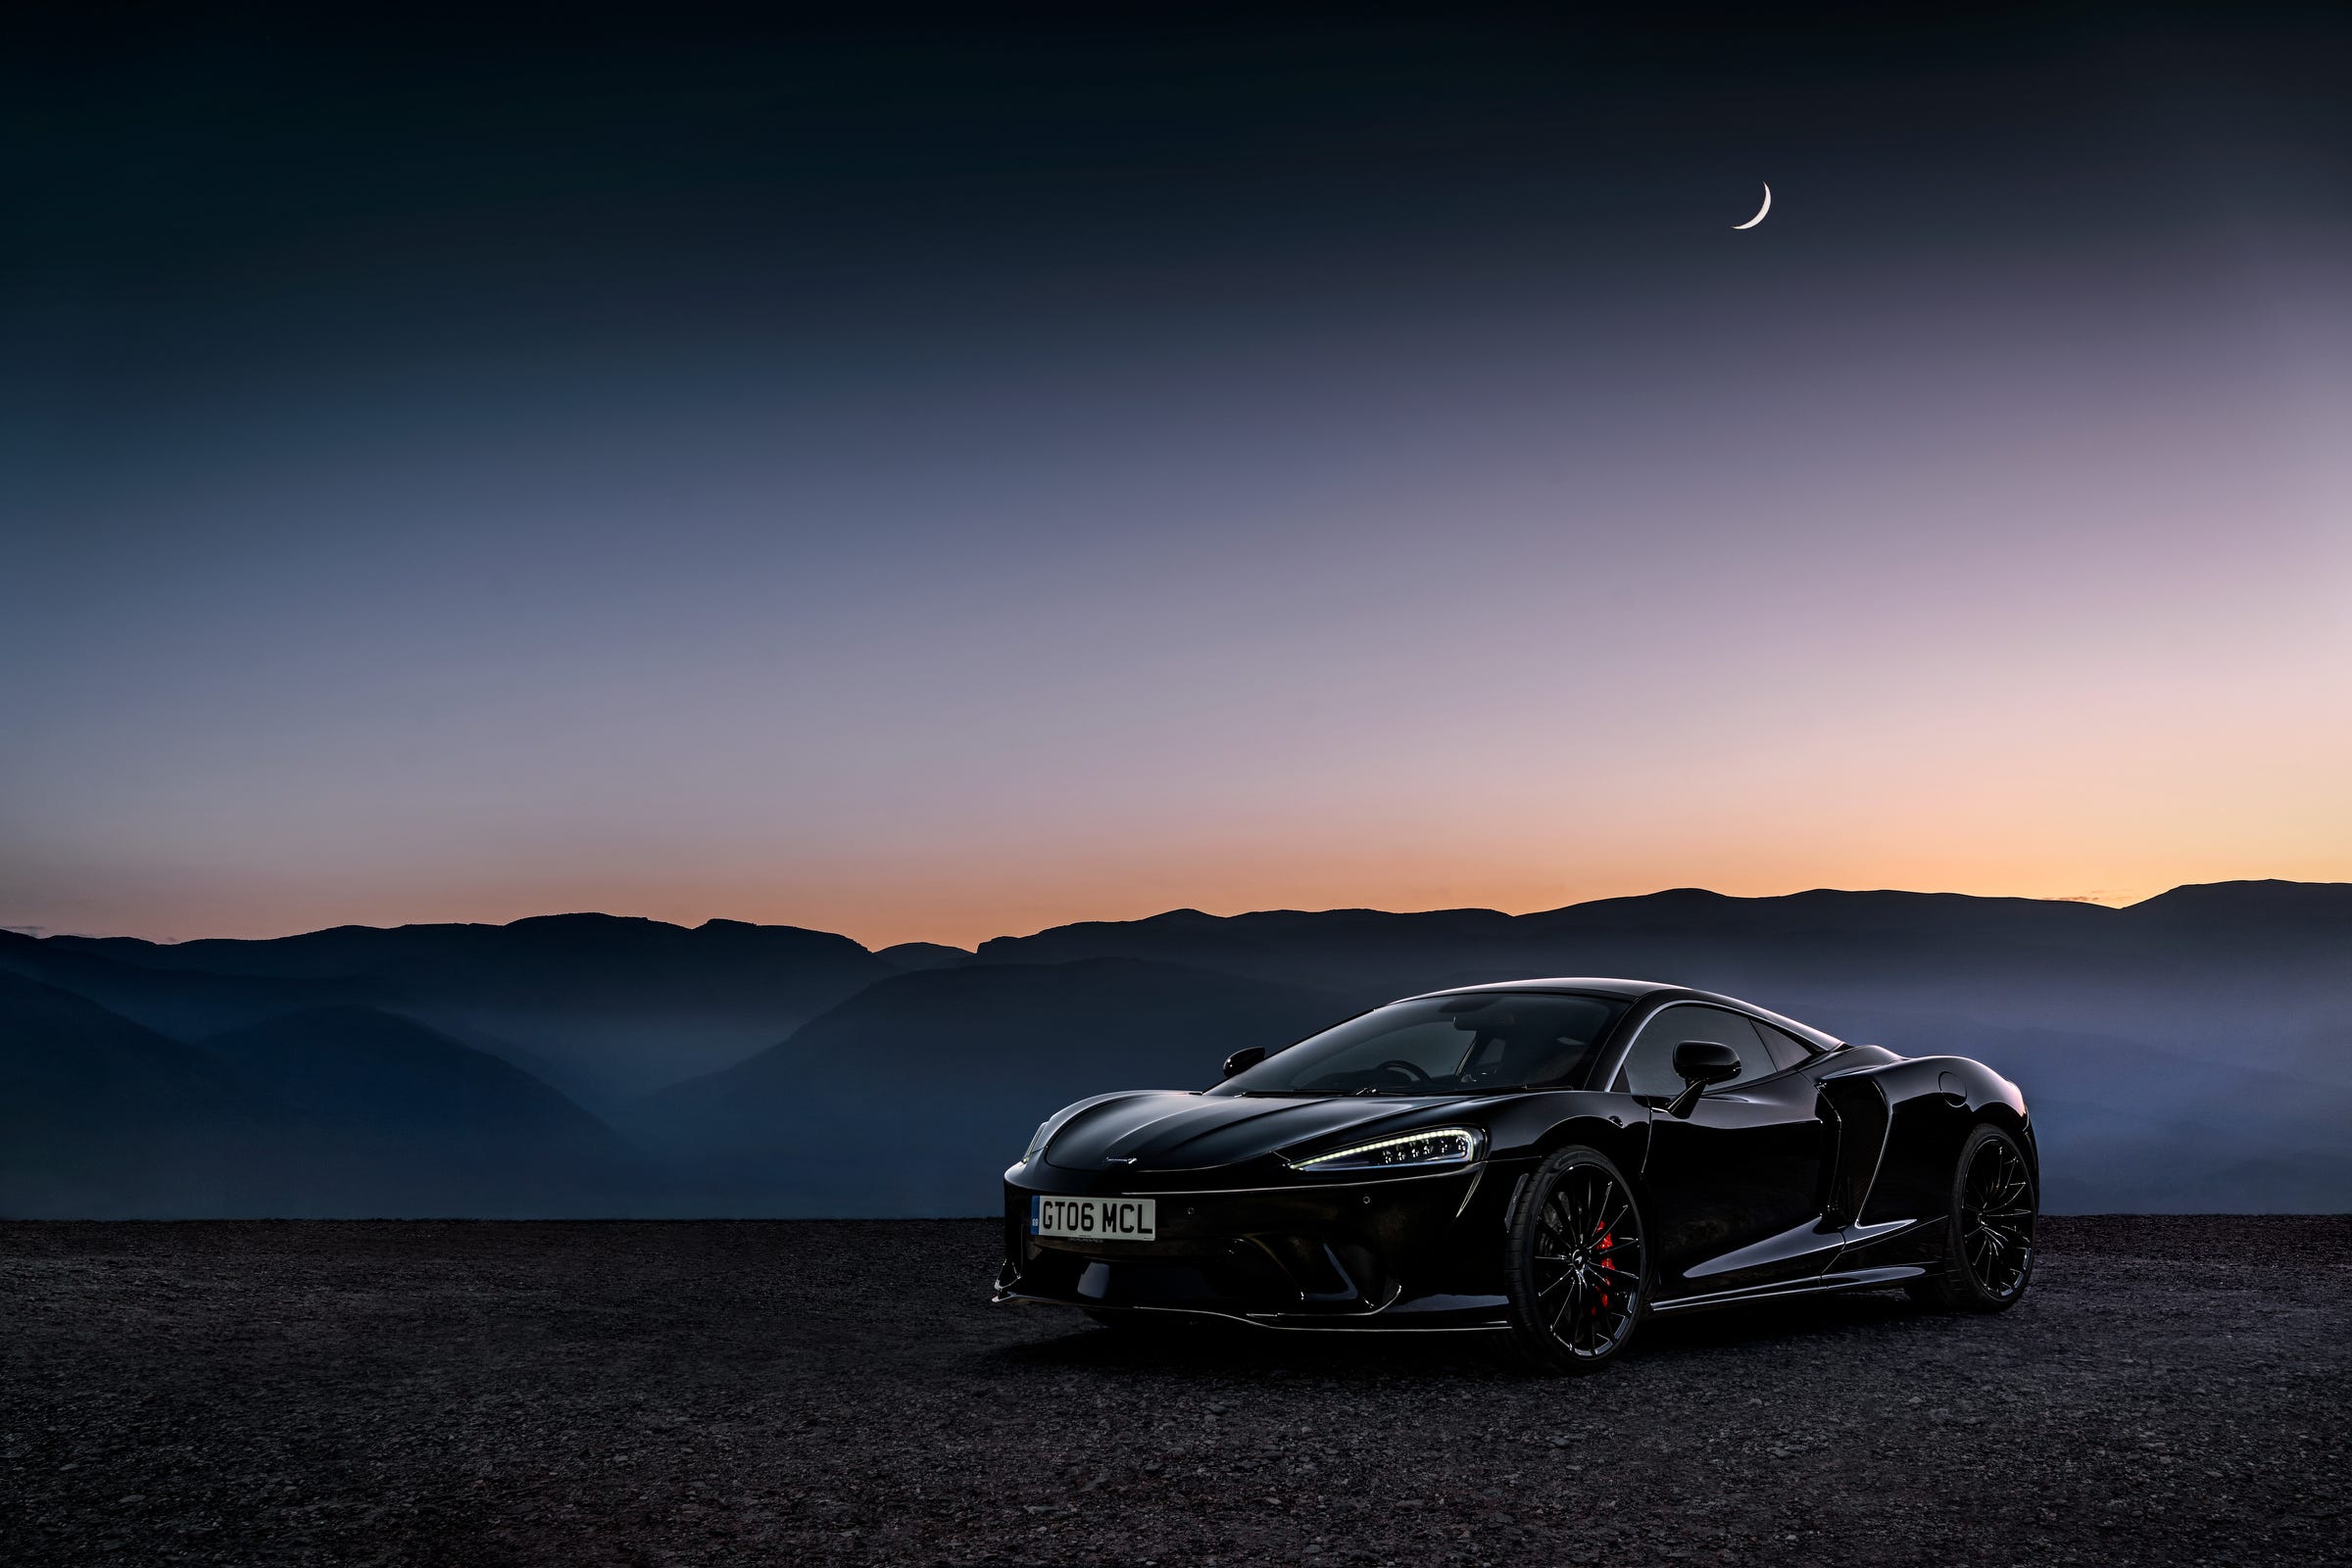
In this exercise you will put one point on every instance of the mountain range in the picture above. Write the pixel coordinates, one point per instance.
(2192, 1052)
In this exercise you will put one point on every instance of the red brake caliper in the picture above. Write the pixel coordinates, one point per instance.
(1607, 1265)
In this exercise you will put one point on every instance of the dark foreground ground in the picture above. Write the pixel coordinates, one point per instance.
(2175, 1390)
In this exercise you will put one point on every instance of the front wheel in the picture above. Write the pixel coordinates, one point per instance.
(1988, 1249)
(1576, 1264)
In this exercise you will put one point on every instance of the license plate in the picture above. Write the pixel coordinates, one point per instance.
(1093, 1220)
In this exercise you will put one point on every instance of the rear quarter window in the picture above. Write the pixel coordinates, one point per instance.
(1786, 1050)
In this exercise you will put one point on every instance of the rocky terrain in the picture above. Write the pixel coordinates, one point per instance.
(2175, 1389)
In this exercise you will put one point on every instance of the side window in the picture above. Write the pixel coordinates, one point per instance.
(1786, 1050)
(1649, 1066)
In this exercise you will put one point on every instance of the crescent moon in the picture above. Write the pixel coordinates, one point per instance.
(1760, 212)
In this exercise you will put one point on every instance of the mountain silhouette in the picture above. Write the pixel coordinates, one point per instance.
(102, 1116)
(182, 1002)
(401, 1119)
(924, 956)
(335, 1111)
(608, 1007)
(2191, 1051)
(364, 1072)
(2188, 972)
(915, 1094)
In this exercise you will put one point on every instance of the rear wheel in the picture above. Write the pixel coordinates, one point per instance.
(1576, 1264)
(1988, 1249)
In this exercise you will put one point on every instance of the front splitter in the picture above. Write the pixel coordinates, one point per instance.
(1422, 1315)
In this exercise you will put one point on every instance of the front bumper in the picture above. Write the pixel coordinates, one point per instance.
(1417, 1252)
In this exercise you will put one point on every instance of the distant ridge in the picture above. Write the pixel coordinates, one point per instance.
(952, 1067)
(99, 1115)
(609, 1006)
(345, 949)
(2191, 1051)
(356, 1070)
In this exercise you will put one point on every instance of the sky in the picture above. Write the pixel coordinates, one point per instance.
(941, 479)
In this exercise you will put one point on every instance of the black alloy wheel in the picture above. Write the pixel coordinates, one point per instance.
(1577, 1266)
(1989, 1253)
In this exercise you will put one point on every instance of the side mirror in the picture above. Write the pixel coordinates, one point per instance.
(1244, 1059)
(1699, 1063)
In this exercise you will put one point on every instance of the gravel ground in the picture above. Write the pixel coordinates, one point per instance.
(2174, 1391)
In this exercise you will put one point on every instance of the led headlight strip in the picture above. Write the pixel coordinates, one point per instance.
(1046, 1130)
(1441, 1146)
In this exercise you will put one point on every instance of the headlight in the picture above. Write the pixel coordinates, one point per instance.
(1441, 1146)
(1037, 1139)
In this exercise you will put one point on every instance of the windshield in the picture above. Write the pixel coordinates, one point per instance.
(1474, 1043)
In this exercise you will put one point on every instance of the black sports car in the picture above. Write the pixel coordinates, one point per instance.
(1562, 1159)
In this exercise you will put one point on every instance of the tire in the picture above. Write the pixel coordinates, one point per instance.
(1568, 1311)
(1989, 1230)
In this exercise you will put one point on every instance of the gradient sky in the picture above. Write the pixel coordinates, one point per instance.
(940, 481)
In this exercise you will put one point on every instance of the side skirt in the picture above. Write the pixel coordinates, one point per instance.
(1860, 1279)
(1383, 1321)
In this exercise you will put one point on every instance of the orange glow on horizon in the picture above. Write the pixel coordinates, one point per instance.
(965, 910)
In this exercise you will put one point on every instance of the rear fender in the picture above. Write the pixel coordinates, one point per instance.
(1932, 1106)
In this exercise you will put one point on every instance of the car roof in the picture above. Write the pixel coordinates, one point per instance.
(1641, 990)
(1631, 990)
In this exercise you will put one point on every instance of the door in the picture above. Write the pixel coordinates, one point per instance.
(1734, 1185)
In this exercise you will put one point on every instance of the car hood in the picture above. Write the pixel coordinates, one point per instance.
(1196, 1131)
